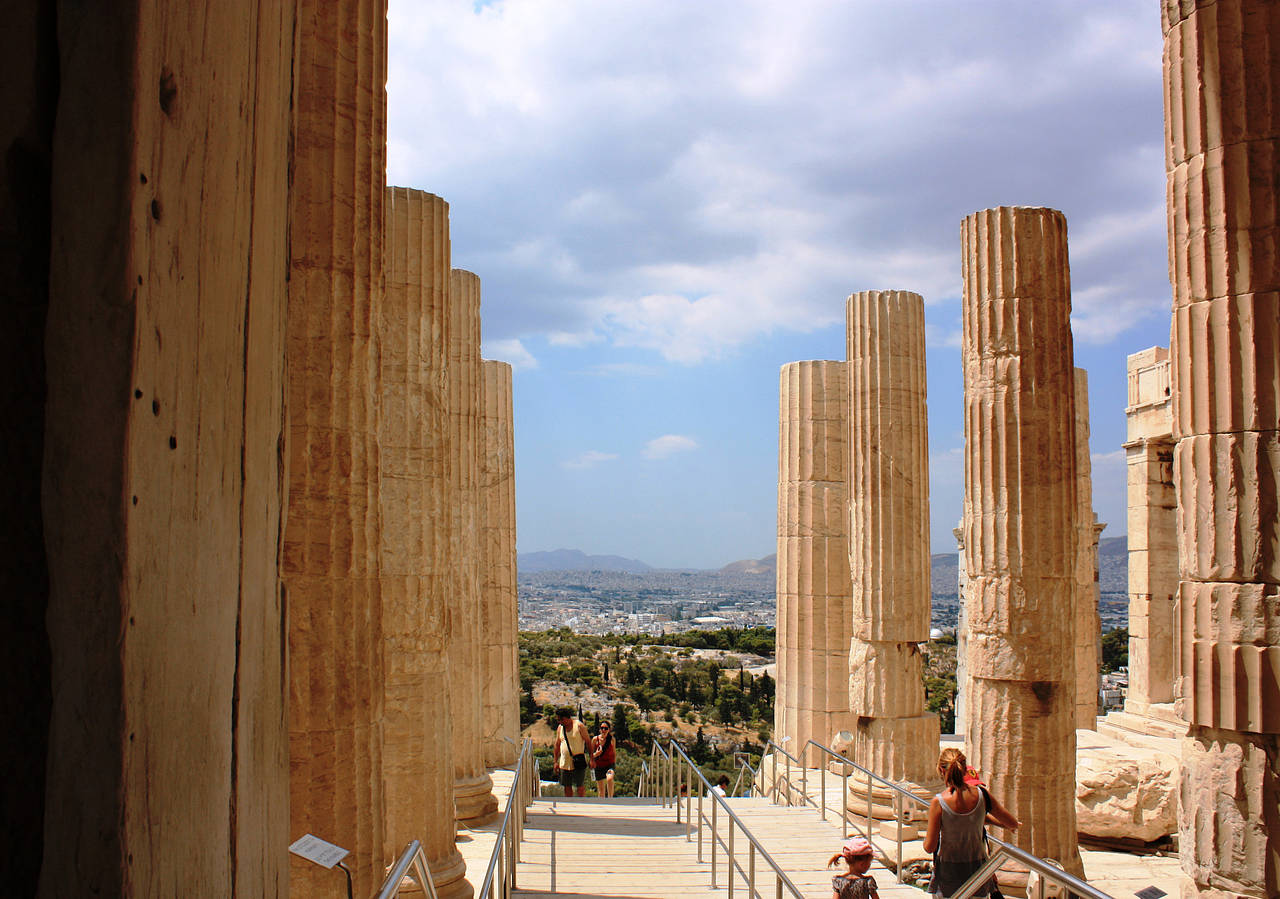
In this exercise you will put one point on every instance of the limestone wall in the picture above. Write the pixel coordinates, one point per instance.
(332, 538)
(500, 671)
(814, 609)
(414, 499)
(167, 768)
(1020, 508)
(1088, 626)
(889, 534)
(473, 795)
(1222, 138)
(1153, 541)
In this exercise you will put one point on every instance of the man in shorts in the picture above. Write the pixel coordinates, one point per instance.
(570, 753)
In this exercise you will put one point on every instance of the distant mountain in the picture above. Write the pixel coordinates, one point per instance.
(1113, 564)
(577, 560)
(768, 565)
(943, 571)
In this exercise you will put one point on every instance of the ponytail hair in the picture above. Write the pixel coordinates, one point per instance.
(952, 767)
(835, 859)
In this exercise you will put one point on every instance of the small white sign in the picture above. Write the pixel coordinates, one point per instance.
(314, 849)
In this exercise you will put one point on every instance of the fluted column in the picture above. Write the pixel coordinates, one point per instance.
(889, 535)
(414, 498)
(145, 714)
(1020, 508)
(1222, 121)
(814, 615)
(962, 631)
(472, 786)
(1088, 626)
(498, 629)
(331, 549)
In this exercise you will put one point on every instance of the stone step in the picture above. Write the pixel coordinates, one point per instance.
(1137, 730)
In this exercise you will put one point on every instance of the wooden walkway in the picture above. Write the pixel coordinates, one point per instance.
(635, 849)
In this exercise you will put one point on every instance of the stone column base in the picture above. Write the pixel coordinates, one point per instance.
(449, 875)
(473, 799)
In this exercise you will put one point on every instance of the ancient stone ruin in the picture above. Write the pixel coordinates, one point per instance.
(889, 535)
(258, 541)
(1019, 519)
(814, 612)
(1220, 72)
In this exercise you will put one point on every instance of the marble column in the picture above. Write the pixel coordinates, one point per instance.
(155, 381)
(1088, 626)
(472, 786)
(498, 629)
(414, 500)
(889, 562)
(331, 552)
(814, 613)
(1153, 539)
(1020, 508)
(1222, 75)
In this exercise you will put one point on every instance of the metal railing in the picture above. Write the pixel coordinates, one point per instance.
(667, 776)
(413, 863)
(645, 777)
(506, 851)
(1003, 851)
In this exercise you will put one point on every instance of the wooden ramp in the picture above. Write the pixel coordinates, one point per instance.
(608, 849)
(635, 849)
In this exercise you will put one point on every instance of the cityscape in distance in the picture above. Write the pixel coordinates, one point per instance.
(614, 594)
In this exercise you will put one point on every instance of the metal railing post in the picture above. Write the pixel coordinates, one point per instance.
(773, 783)
(788, 780)
(844, 802)
(804, 776)
(699, 823)
(732, 859)
(715, 838)
(751, 871)
(897, 815)
(868, 806)
(824, 790)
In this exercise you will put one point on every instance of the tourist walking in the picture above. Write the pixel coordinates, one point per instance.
(570, 753)
(603, 758)
(855, 882)
(957, 835)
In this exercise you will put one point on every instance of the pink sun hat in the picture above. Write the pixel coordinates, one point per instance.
(856, 847)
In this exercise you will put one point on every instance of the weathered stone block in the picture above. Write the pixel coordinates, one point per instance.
(885, 680)
(898, 749)
(1229, 506)
(1125, 794)
(1229, 636)
(1230, 803)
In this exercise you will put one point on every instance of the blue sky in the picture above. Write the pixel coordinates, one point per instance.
(667, 201)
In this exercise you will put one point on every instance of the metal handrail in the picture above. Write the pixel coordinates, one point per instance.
(507, 847)
(411, 857)
(666, 780)
(1003, 850)
(643, 780)
(773, 783)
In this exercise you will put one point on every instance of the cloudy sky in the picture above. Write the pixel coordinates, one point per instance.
(667, 201)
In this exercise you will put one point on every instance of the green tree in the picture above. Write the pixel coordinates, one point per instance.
(1115, 649)
(620, 729)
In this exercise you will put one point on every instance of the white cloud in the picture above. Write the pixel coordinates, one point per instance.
(686, 178)
(668, 445)
(589, 459)
(509, 350)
